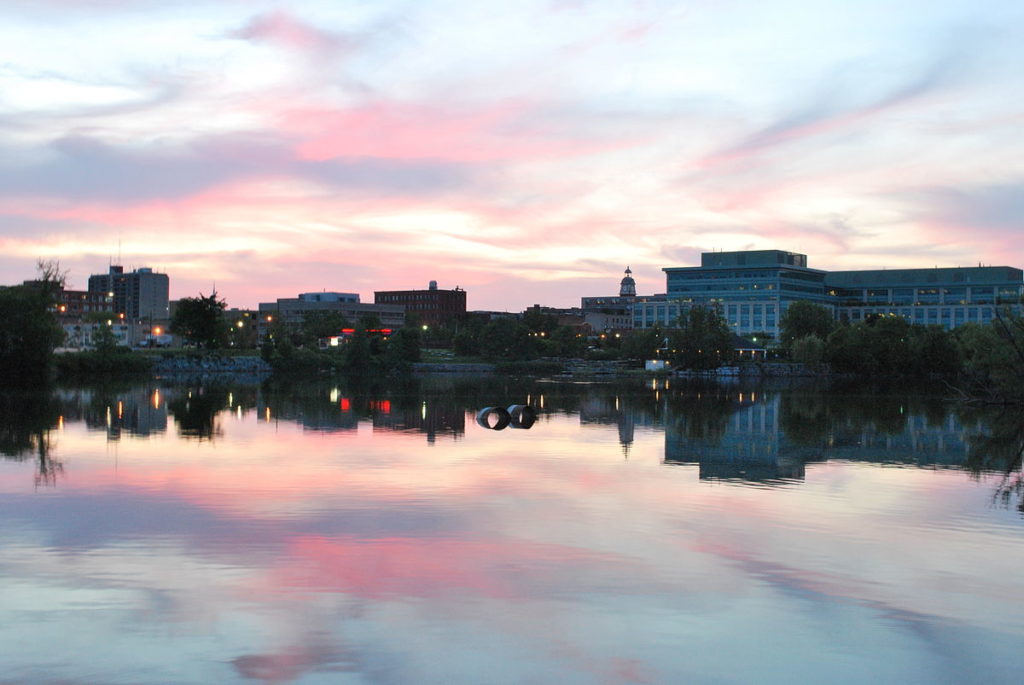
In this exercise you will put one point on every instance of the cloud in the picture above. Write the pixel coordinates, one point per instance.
(971, 222)
(283, 30)
(289, 664)
(504, 130)
(843, 102)
(81, 168)
(49, 97)
(997, 207)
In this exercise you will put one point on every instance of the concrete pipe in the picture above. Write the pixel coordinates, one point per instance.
(522, 416)
(499, 416)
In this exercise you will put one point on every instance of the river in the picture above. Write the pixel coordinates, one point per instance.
(641, 531)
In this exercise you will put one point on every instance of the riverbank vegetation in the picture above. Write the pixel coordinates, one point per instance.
(29, 331)
(983, 362)
(367, 351)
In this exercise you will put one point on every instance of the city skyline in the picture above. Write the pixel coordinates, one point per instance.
(524, 154)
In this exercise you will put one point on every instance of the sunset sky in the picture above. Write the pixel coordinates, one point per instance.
(525, 151)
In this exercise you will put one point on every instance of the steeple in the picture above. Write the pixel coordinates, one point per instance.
(628, 286)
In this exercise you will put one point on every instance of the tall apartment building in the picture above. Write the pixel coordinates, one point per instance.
(140, 294)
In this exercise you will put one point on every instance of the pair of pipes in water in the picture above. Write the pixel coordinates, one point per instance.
(516, 416)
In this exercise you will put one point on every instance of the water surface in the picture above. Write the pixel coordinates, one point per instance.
(639, 532)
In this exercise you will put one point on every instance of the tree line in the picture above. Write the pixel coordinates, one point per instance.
(986, 360)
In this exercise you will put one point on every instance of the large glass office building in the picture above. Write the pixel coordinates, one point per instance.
(750, 288)
(947, 297)
(753, 288)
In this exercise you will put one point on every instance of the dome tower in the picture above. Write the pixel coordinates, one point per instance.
(628, 286)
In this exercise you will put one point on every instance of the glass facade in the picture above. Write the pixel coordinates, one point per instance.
(753, 289)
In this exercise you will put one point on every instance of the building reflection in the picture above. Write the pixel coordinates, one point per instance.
(342, 407)
(771, 436)
(762, 434)
(730, 435)
(138, 411)
(431, 416)
(622, 407)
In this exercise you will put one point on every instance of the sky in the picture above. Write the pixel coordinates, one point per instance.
(526, 152)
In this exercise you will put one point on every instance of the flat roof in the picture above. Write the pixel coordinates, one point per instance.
(945, 275)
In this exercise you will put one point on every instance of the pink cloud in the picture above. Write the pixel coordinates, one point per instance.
(280, 28)
(509, 130)
(504, 569)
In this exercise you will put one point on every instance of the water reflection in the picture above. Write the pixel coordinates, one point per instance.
(337, 406)
(772, 435)
(759, 434)
(26, 424)
(305, 532)
(999, 450)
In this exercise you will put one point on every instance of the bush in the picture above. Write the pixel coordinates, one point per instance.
(809, 350)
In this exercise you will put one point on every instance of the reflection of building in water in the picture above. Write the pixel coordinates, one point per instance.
(746, 448)
(921, 442)
(139, 412)
(624, 411)
(143, 413)
(774, 437)
(431, 416)
(335, 410)
(329, 413)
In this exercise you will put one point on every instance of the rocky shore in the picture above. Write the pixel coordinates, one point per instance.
(211, 364)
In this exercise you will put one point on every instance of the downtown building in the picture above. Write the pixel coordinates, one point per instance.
(752, 289)
(140, 295)
(291, 311)
(610, 313)
(430, 307)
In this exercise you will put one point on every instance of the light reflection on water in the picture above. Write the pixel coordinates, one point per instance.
(635, 533)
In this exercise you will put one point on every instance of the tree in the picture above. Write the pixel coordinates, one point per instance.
(321, 323)
(933, 350)
(566, 342)
(642, 343)
(466, 342)
(200, 321)
(703, 339)
(805, 318)
(358, 351)
(994, 357)
(29, 331)
(878, 347)
(538, 321)
(104, 343)
(403, 347)
(507, 340)
(809, 350)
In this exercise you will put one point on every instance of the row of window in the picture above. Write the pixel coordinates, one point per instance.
(948, 317)
(746, 318)
(722, 287)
